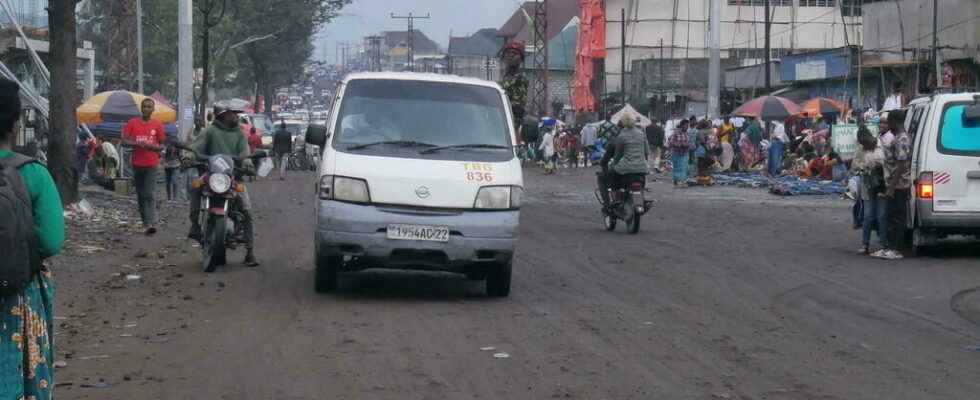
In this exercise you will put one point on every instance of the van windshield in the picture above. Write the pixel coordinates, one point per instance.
(957, 136)
(435, 114)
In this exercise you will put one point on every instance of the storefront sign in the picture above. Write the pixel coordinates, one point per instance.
(810, 70)
(843, 139)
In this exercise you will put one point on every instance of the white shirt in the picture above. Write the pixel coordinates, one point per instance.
(548, 144)
(779, 132)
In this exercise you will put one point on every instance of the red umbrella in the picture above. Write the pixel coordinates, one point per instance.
(768, 108)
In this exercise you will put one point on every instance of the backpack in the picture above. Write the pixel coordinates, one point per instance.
(17, 242)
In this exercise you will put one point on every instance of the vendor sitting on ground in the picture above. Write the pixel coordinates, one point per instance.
(822, 167)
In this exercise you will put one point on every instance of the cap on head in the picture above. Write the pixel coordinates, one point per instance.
(515, 46)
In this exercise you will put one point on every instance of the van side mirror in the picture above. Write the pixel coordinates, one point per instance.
(317, 135)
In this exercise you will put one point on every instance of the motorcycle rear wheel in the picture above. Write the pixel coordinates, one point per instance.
(609, 222)
(213, 247)
(632, 217)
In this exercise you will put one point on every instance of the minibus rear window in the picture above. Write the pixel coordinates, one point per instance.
(959, 135)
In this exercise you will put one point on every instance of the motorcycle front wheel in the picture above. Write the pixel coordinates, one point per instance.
(213, 246)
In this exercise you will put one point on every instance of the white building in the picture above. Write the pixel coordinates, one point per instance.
(797, 25)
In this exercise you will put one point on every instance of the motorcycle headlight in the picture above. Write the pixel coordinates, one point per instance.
(219, 183)
(344, 189)
(499, 198)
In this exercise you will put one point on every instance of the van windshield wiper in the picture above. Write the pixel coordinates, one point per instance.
(465, 146)
(403, 143)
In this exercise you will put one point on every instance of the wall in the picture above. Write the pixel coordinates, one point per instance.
(474, 67)
(742, 28)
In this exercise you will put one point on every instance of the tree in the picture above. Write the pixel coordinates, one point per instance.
(264, 64)
(63, 98)
(211, 14)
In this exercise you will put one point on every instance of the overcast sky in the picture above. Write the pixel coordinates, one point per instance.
(461, 17)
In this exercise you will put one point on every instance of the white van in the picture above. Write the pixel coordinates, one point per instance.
(418, 172)
(945, 131)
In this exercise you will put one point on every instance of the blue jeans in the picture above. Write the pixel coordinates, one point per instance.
(875, 211)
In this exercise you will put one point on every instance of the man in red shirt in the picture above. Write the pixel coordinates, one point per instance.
(146, 137)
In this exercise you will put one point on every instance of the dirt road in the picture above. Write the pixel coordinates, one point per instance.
(725, 294)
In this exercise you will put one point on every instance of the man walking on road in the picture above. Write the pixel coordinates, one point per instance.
(655, 136)
(282, 145)
(146, 137)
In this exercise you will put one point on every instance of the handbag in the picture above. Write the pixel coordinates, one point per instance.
(874, 180)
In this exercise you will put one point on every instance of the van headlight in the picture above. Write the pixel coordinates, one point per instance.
(499, 198)
(342, 188)
(219, 183)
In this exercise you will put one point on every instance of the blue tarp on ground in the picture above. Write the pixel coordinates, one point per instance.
(783, 186)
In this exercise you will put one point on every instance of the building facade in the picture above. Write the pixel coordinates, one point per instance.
(898, 41)
(682, 26)
(30, 13)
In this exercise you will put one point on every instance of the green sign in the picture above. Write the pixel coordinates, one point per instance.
(843, 139)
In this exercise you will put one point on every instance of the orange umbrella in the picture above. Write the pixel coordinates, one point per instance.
(821, 106)
(120, 106)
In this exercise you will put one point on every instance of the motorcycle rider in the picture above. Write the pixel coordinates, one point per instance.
(223, 137)
(626, 154)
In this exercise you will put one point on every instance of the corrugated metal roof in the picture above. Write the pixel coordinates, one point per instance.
(560, 12)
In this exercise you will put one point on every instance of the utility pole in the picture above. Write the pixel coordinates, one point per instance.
(622, 61)
(935, 42)
(714, 66)
(139, 46)
(767, 57)
(663, 93)
(411, 17)
(540, 104)
(489, 72)
(185, 69)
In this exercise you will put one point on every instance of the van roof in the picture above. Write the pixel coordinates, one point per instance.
(946, 97)
(416, 76)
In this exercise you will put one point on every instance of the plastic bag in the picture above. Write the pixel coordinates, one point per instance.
(265, 166)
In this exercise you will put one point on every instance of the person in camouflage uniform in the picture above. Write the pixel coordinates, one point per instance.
(514, 82)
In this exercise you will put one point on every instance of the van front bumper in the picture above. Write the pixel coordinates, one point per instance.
(355, 235)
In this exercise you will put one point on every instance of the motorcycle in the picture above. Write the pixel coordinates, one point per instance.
(629, 203)
(220, 216)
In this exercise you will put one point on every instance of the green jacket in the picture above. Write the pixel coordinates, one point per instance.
(217, 139)
(49, 220)
(631, 152)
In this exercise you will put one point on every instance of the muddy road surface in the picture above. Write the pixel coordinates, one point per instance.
(725, 293)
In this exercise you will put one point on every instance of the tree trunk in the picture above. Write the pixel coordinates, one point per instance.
(63, 99)
(206, 68)
(267, 93)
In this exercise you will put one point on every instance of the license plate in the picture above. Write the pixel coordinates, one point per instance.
(419, 232)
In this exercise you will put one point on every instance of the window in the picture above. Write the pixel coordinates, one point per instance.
(956, 136)
(789, 3)
(818, 3)
(762, 3)
(851, 8)
(436, 113)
